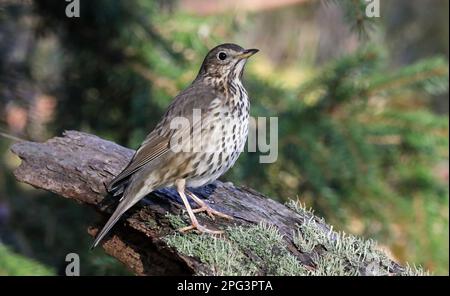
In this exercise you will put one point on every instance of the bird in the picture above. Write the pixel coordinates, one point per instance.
(199, 138)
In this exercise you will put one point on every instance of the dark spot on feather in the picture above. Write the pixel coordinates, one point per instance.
(210, 159)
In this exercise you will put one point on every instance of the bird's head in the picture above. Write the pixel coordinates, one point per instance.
(225, 62)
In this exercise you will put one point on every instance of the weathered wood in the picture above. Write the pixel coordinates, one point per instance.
(77, 166)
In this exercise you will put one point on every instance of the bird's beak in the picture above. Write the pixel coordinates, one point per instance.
(248, 53)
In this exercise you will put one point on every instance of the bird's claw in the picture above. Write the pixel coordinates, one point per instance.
(212, 213)
(199, 229)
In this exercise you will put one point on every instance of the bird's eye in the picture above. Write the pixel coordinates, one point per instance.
(222, 56)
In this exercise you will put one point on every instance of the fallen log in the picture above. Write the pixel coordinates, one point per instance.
(265, 237)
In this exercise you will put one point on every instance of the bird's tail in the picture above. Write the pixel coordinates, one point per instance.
(123, 206)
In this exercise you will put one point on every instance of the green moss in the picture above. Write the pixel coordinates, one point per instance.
(299, 207)
(344, 254)
(288, 265)
(176, 221)
(329, 264)
(220, 255)
(414, 271)
(303, 244)
(268, 247)
(227, 255)
(152, 224)
(261, 248)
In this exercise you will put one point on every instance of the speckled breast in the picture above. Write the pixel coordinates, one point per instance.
(224, 134)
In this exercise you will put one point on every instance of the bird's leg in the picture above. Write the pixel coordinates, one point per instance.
(206, 208)
(181, 185)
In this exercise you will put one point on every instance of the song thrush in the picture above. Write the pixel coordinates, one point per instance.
(217, 94)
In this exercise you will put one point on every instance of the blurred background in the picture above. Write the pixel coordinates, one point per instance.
(362, 106)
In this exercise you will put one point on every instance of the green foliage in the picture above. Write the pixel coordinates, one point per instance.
(355, 15)
(15, 264)
(334, 132)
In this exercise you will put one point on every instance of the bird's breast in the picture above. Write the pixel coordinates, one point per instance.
(224, 134)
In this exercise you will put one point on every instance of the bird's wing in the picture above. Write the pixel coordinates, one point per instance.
(154, 148)
(155, 145)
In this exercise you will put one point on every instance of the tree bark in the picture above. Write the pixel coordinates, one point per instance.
(78, 165)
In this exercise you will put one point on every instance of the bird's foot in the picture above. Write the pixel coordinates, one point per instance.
(211, 212)
(199, 229)
(205, 208)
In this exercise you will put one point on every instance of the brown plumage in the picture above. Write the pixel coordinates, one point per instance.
(215, 138)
